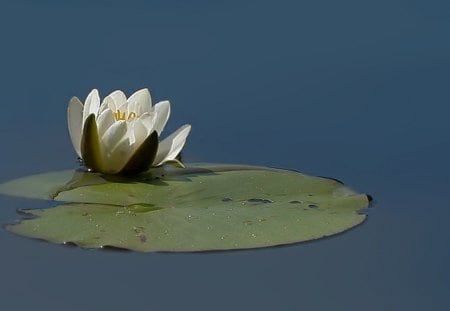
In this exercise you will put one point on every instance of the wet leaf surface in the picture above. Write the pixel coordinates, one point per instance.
(203, 207)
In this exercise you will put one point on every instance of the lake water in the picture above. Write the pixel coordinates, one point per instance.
(356, 90)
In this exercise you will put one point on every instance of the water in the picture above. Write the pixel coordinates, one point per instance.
(355, 90)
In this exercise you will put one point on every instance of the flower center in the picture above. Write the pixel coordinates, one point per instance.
(123, 115)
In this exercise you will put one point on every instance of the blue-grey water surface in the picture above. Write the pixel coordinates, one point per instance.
(356, 90)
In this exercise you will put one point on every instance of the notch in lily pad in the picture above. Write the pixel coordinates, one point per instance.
(203, 207)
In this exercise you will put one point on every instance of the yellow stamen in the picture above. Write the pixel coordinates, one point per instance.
(119, 116)
(122, 115)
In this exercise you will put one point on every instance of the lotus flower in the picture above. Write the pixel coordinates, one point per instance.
(120, 135)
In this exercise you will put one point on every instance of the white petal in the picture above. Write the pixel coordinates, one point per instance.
(113, 135)
(116, 147)
(108, 103)
(139, 134)
(170, 147)
(140, 102)
(119, 99)
(148, 120)
(118, 156)
(91, 104)
(75, 123)
(162, 110)
(104, 105)
(104, 121)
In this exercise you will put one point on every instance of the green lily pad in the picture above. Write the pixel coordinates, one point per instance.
(202, 207)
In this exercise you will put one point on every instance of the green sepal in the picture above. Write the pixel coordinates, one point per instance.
(90, 145)
(143, 157)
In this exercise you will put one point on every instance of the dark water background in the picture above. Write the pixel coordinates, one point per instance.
(357, 90)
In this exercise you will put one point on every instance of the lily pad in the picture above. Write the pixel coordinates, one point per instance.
(202, 207)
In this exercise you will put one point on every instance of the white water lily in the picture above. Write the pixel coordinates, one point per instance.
(120, 135)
